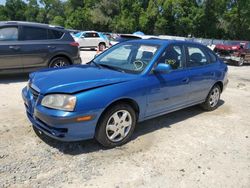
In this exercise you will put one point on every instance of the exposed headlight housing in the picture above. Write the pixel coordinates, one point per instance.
(59, 101)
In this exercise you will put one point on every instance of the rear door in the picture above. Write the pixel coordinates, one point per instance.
(35, 46)
(202, 72)
(10, 49)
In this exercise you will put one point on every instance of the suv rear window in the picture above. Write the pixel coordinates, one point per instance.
(8, 34)
(36, 33)
(53, 34)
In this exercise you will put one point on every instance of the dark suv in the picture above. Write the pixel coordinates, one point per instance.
(26, 46)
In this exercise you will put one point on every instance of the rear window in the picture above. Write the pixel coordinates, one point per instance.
(53, 34)
(8, 34)
(34, 33)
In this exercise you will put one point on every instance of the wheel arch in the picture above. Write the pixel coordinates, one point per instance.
(220, 84)
(128, 101)
(60, 55)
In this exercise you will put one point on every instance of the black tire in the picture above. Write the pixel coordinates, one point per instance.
(212, 103)
(102, 133)
(59, 62)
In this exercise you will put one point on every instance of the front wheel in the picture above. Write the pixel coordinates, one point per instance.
(59, 62)
(116, 126)
(213, 98)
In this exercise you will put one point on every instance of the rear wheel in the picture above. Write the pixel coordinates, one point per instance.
(213, 98)
(116, 126)
(59, 62)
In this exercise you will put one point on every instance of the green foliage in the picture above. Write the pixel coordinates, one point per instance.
(227, 19)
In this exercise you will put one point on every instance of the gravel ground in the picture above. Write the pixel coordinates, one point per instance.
(187, 148)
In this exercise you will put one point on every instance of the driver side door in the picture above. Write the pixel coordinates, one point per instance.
(169, 91)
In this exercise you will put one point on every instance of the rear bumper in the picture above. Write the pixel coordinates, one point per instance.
(59, 125)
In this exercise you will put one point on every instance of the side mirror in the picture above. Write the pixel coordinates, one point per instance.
(163, 68)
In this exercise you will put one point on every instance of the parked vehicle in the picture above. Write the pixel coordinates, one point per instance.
(126, 37)
(128, 83)
(241, 54)
(233, 52)
(26, 46)
(91, 39)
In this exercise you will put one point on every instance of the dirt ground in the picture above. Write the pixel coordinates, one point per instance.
(187, 148)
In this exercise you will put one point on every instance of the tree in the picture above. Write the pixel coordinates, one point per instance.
(3, 13)
(237, 17)
(32, 10)
(15, 10)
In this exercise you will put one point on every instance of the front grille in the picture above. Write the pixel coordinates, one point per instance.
(34, 93)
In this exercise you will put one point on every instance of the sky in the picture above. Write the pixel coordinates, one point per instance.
(2, 2)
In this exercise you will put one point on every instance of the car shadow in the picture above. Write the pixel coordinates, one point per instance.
(143, 128)
(14, 78)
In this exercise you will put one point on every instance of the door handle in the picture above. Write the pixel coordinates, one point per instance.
(14, 47)
(185, 80)
(51, 47)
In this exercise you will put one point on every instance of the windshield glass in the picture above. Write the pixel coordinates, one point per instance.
(78, 34)
(129, 57)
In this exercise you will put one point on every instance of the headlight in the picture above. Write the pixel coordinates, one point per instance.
(60, 102)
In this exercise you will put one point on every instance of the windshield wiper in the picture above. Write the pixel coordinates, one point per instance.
(111, 67)
(96, 64)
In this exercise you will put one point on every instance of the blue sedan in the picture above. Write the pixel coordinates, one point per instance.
(128, 83)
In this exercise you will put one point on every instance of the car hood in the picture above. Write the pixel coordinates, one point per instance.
(75, 78)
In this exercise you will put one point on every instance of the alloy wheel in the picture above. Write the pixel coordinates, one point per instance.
(59, 63)
(118, 125)
(214, 97)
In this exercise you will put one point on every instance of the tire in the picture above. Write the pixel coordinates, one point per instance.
(59, 62)
(116, 126)
(212, 99)
(241, 62)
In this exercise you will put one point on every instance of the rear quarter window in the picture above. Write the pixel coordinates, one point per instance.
(212, 56)
(54, 34)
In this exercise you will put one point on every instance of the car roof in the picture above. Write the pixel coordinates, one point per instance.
(3, 23)
(162, 42)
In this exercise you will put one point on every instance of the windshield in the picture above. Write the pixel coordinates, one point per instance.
(78, 35)
(129, 57)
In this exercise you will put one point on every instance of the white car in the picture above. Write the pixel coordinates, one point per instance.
(91, 39)
(125, 37)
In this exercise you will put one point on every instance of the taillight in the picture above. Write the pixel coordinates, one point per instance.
(74, 44)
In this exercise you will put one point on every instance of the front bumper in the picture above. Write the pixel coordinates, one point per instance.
(58, 124)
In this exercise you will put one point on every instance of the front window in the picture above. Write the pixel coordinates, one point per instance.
(129, 57)
(174, 56)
